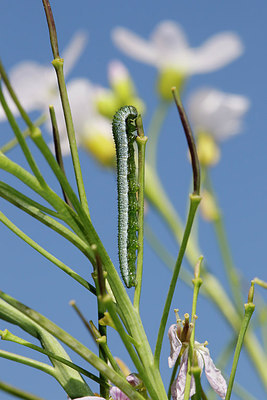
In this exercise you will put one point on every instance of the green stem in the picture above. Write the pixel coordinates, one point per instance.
(197, 282)
(154, 131)
(58, 65)
(176, 365)
(124, 337)
(157, 196)
(21, 140)
(249, 309)
(101, 309)
(196, 371)
(57, 146)
(64, 211)
(16, 392)
(6, 335)
(224, 247)
(194, 202)
(28, 361)
(102, 342)
(36, 211)
(141, 143)
(76, 346)
(214, 290)
(14, 97)
(13, 142)
(45, 253)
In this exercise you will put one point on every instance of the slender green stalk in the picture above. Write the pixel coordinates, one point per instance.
(57, 146)
(14, 97)
(58, 65)
(86, 225)
(21, 140)
(16, 392)
(13, 142)
(157, 196)
(197, 281)
(124, 337)
(165, 256)
(29, 361)
(69, 379)
(260, 282)
(211, 287)
(194, 202)
(154, 131)
(141, 143)
(45, 253)
(99, 280)
(233, 277)
(176, 365)
(6, 335)
(64, 211)
(249, 309)
(76, 346)
(102, 341)
(73, 304)
(36, 211)
(196, 371)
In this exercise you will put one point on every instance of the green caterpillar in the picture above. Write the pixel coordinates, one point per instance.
(124, 133)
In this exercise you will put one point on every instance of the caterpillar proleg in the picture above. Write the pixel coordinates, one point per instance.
(124, 133)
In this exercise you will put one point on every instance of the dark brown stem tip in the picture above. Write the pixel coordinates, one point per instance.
(51, 27)
(190, 140)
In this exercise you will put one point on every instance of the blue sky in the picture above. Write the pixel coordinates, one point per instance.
(239, 178)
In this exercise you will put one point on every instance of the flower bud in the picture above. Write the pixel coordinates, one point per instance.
(207, 149)
(168, 78)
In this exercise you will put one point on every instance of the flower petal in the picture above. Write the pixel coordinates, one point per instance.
(175, 343)
(178, 386)
(168, 48)
(215, 53)
(90, 398)
(217, 113)
(213, 374)
(74, 50)
(117, 394)
(31, 82)
(80, 93)
(134, 46)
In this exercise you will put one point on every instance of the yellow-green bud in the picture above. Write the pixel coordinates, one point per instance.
(101, 147)
(208, 208)
(207, 149)
(167, 79)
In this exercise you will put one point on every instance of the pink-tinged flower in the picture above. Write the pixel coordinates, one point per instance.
(90, 398)
(36, 84)
(117, 394)
(217, 113)
(213, 374)
(167, 48)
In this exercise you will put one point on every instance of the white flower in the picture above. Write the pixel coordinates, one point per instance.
(35, 84)
(89, 126)
(216, 113)
(168, 48)
(116, 394)
(90, 398)
(213, 374)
